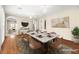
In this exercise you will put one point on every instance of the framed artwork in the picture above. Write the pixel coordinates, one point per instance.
(60, 22)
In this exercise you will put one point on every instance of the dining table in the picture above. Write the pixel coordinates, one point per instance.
(43, 37)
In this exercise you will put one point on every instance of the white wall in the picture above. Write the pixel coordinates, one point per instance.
(2, 25)
(19, 19)
(73, 14)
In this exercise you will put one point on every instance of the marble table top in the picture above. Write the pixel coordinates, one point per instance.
(42, 36)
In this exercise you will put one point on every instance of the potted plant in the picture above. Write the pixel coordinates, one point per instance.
(75, 32)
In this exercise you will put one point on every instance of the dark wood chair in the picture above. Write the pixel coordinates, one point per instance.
(23, 37)
(54, 45)
(22, 41)
(35, 47)
(34, 44)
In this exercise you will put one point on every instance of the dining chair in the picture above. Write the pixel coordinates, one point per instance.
(22, 41)
(54, 45)
(35, 47)
(34, 44)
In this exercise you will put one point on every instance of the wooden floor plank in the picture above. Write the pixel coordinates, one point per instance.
(9, 46)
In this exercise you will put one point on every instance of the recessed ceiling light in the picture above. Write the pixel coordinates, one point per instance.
(30, 17)
(20, 8)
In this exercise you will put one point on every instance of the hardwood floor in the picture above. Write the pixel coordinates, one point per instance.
(10, 47)
(71, 44)
(13, 46)
(74, 46)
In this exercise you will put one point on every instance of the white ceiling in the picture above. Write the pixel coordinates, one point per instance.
(33, 10)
